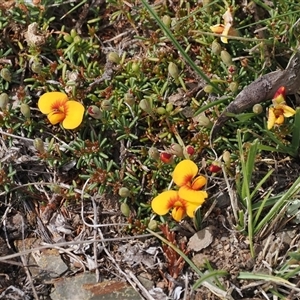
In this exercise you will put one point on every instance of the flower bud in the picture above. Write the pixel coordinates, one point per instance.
(279, 96)
(39, 145)
(72, 76)
(257, 108)
(233, 86)
(77, 39)
(208, 89)
(73, 32)
(226, 58)
(215, 167)
(232, 69)
(3, 100)
(25, 110)
(113, 57)
(226, 158)
(5, 74)
(152, 225)
(145, 105)
(176, 149)
(106, 105)
(173, 70)
(161, 110)
(166, 157)
(124, 192)
(95, 112)
(167, 20)
(169, 107)
(216, 47)
(153, 153)
(190, 150)
(36, 67)
(204, 121)
(125, 210)
(68, 38)
(129, 99)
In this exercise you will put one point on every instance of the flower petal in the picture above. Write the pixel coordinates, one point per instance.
(217, 28)
(279, 96)
(287, 110)
(74, 114)
(46, 101)
(271, 118)
(55, 117)
(227, 17)
(190, 209)
(279, 120)
(225, 32)
(162, 203)
(184, 172)
(178, 213)
(198, 182)
(192, 196)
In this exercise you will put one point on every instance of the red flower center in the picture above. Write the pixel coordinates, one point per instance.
(176, 202)
(59, 107)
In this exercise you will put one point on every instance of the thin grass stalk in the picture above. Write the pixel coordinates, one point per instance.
(261, 182)
(169, 34)
(266, 277)
(247, 169)
(296, 132)
(294, 189)
(261, 208)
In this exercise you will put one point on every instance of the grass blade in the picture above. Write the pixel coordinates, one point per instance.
(169, 34)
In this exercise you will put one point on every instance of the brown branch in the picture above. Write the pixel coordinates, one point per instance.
(261, 90)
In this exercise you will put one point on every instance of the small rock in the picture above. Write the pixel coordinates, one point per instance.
(201, 239)
(223, 200)
(16, 226)
(147, 283)
(85, 287)
(71, 288)
(50, 261)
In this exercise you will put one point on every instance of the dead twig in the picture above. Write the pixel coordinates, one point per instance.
(261, 90)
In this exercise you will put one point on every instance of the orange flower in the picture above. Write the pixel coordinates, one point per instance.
(59, 109)
(184, 176)
(279, 110)
(277, 114)
(170, 200)
(188, 198)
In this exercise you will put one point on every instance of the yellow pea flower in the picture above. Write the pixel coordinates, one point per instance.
(279, 110)
(59, 109)
(277, 114)
(188, 198)
(168, 200)
(184, 176)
